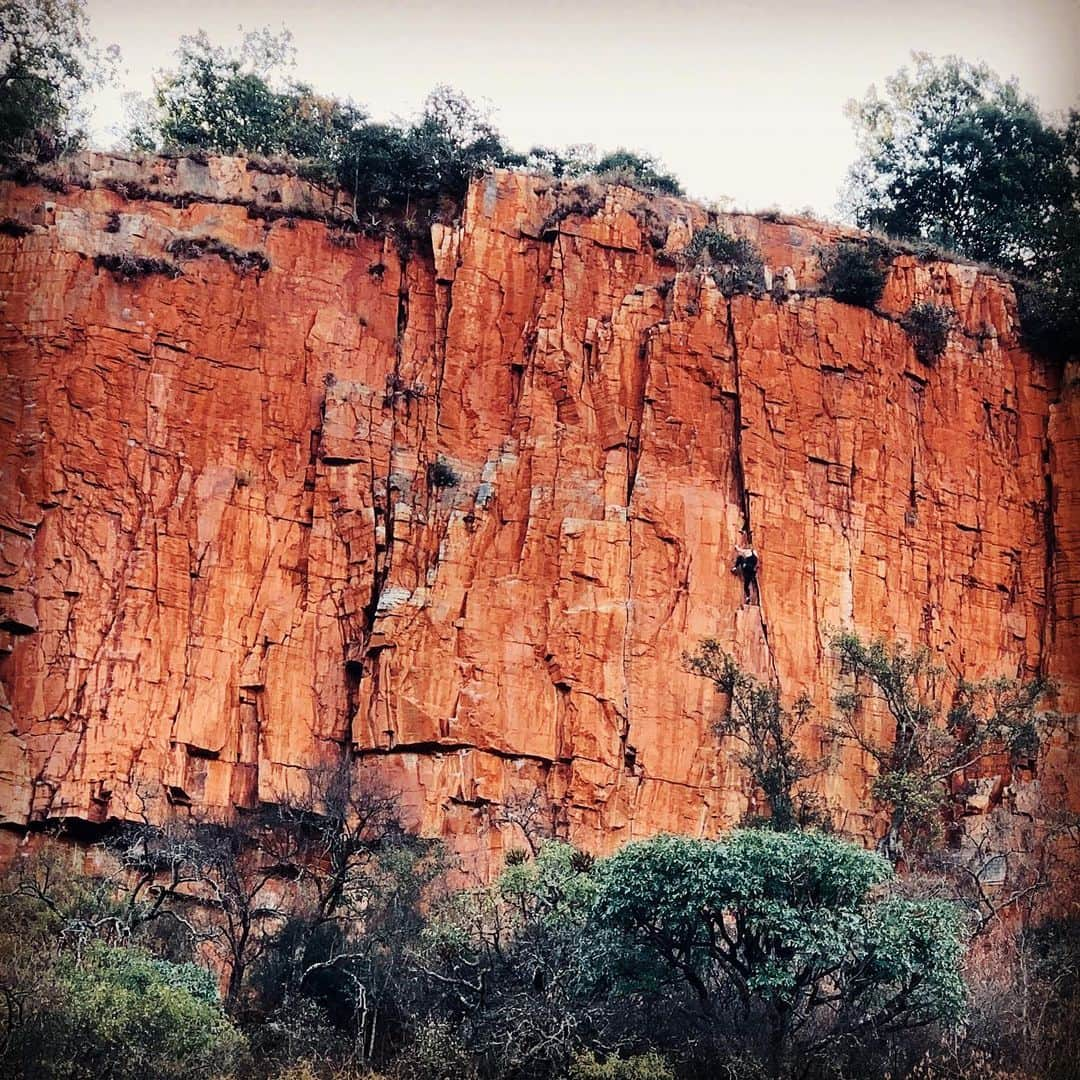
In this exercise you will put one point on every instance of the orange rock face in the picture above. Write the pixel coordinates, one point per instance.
(466, 512)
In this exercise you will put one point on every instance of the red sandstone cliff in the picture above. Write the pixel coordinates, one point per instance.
(222, 558)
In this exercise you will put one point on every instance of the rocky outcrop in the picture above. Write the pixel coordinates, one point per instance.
(271, 490)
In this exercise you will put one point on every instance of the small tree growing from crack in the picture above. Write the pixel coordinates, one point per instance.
(928, 748)
(755, 718)
(532, 813)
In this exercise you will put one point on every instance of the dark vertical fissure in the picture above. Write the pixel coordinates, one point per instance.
(1046, 630)
(357, 654)
(741, 495)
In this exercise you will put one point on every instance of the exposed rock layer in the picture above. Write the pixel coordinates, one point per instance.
(466, 512)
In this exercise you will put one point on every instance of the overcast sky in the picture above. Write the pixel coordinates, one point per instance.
(740, 99)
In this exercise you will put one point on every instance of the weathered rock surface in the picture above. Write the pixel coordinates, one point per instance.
(226, 555)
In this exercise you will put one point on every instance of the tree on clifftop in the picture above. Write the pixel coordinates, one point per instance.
(237, 100)
(48, 62)
(953, 155)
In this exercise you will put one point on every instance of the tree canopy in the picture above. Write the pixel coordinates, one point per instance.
(48, 61)
(236, 100)
(951, 154)
(786, 928)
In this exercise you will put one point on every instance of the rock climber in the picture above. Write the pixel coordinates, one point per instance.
(746, 566)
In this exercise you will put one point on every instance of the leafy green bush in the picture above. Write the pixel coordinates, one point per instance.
(573, 161)
(733, 262)
(649, 1066)
(636, 170)
(232, 101)
(238, 100)
(928, 326)
(775, 924)
(120, 1014)
(854, 273)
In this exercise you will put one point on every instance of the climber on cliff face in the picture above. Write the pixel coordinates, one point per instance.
(746, 566)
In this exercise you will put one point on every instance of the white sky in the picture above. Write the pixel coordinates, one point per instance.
(740, 99)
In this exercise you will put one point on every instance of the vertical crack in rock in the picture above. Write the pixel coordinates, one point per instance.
(739, 471)
(381, 563)
(633, 460)
(1046, 623)
(633, 435)
(741, 494)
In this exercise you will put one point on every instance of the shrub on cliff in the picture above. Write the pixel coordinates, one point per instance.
(126, 266)
(734, 263)
(387, 166)
(928, 326)
(854, 272)
(642, 171)
(756, 720)
(441, 474)
(929, 746)
(1050, 318)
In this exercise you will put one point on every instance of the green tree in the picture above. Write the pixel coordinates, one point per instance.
(929, 745)
(510, 962)
(48, 62)
(118, 1013)
(450, 143)
(755, 718)
(784, 929)
(956, 156)
(952, 154)
(238, 100)
(637, 170)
